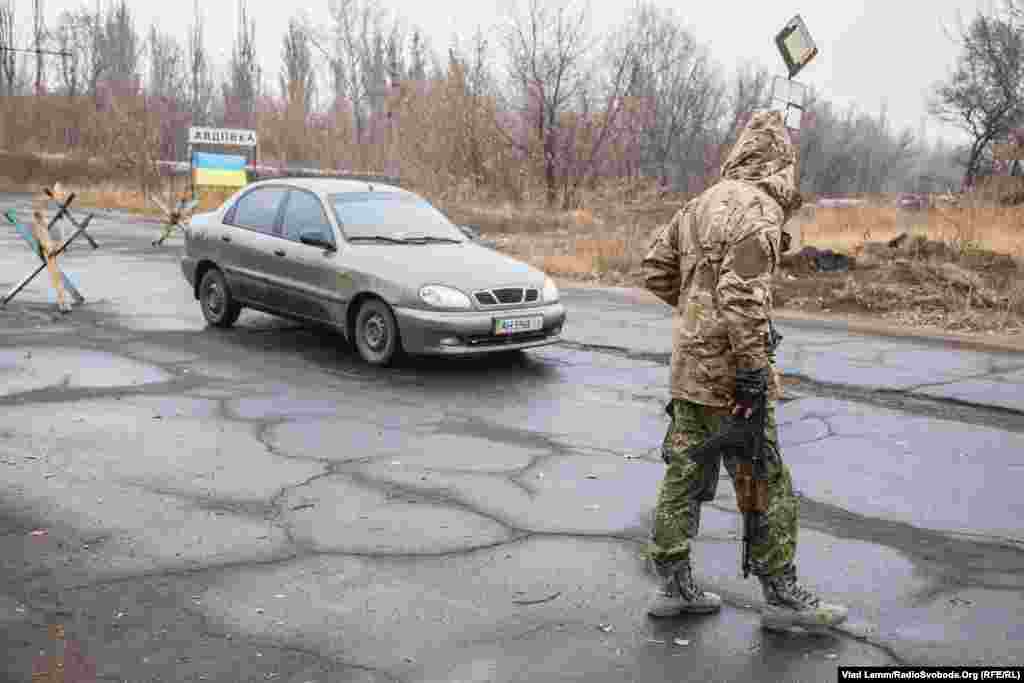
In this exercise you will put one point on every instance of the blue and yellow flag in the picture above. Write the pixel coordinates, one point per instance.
(221, 170)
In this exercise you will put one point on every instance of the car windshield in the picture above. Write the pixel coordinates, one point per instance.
(391, 216)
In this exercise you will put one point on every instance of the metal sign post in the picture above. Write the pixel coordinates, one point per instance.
(789, 97)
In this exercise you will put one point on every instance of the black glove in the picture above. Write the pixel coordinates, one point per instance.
(751, 386)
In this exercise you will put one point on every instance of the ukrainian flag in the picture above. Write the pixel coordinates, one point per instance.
(221, 170)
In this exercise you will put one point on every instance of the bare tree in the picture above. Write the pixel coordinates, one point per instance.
(984, 94)
(681, 96)
(396, 64)
(8, 61)
(355, 23)
(39, 38)
(167, 75)
(167, 93)
(849, 151)
(68, 40)
(200, 78)
(417, 57)
(80, 35)
(377, 74)
(749, 93)
(547, 52)
(121, 48)
(244, 77)
(471, 86)
(297, 79)
(880, 155)
(84, 30)
(606, 106)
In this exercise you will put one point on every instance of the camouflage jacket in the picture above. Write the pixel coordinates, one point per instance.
(714, 263)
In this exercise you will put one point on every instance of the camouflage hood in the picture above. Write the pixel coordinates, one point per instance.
(765, 156)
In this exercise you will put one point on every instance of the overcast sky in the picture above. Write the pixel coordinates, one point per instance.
(871, 51)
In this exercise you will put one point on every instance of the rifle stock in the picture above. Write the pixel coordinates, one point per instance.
(734, 436)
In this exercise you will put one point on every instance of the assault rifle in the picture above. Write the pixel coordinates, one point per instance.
(743, 438)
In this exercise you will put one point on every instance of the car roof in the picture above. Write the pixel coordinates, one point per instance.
(327, 186)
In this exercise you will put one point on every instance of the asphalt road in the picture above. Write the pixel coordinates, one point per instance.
(256, 504)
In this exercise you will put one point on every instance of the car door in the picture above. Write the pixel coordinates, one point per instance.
(247, 254)
(314, 280)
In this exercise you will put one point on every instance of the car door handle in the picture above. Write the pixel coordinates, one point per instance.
(225, 238)
(279, 252)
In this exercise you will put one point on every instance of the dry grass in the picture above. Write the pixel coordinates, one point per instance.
(604, 240)
(115, 198)
(96, 184)
(25, 172)
(507, 218)
(978, 227)
(597, 255)
(118, 197)
(971, 278)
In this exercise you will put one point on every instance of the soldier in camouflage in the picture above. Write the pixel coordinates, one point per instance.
(714, 263)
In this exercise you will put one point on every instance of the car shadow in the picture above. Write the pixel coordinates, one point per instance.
(325, 347)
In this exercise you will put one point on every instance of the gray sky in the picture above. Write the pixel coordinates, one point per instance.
(871, 51)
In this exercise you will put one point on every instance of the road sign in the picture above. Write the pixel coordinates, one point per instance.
(796, 45)
(198, 135)
(789, 97)
(220, 169)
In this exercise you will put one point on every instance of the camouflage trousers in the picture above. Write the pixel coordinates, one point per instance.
(687, 484)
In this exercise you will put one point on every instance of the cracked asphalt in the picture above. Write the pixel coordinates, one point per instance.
(256, 504)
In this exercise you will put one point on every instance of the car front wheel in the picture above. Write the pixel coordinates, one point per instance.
(219, 308)
(376, 333)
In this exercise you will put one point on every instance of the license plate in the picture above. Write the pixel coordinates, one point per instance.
(515, 325)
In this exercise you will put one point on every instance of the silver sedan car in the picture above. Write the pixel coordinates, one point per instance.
(377, 262)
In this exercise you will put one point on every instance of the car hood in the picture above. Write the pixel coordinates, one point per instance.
(465, 266)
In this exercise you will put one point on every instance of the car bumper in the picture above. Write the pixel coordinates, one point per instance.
(471, 333)
(188, 269)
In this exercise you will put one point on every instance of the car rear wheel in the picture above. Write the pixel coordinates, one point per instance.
(219, 307)
(376, 333)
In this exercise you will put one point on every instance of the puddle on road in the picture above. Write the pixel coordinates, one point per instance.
(26, 369)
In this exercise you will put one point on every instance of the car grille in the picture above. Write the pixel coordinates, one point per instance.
(491, 340)
(505, 296)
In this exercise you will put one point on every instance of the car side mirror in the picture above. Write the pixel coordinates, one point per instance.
(470, 232)
(317, 239)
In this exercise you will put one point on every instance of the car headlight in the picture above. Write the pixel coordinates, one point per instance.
(550, 291)
(444, 297)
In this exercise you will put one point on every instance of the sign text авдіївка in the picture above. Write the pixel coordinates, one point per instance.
(221, 136)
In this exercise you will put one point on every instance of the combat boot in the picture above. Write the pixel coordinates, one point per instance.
(791, 606)
(679, 594)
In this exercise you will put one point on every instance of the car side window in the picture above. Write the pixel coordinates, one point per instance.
(305, 213)
(258, 210)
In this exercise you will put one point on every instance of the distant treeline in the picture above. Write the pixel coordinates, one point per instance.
(537, 108)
